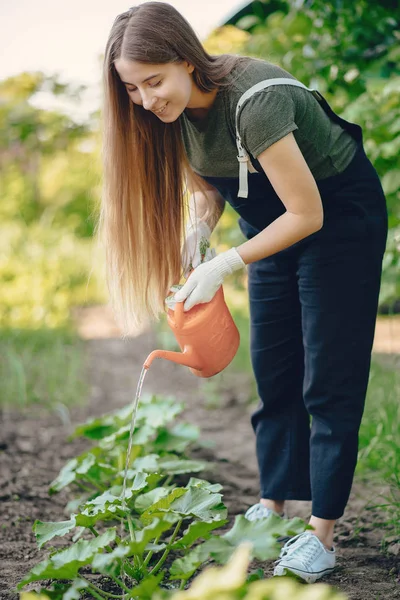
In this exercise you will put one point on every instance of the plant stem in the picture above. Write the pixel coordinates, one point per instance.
(94, 593)
(138, 561)
(130, 528)
(166, 552)
(182, 584)
(150, 554)
(168, 480)
(101, 593)
(120, 583)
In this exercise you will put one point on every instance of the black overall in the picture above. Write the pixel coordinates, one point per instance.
(313, 309)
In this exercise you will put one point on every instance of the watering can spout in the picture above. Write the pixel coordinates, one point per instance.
(186, 358)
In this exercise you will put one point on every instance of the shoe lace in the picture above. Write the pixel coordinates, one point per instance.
(304, 547)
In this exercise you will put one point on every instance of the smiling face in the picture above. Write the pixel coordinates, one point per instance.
(165, 89)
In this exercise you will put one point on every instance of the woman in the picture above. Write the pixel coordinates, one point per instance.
(313, 212)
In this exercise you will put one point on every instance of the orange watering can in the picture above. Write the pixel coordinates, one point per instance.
(206, 334)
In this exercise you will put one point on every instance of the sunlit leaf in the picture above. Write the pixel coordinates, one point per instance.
(66, 563)
(45, 531)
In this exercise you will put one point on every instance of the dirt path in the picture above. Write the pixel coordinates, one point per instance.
(33, 448)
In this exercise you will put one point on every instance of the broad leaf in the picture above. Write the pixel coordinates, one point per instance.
(196, 531)
(102, 508)
(177, 438)
(155, 547)
(261, 531)
(73, 593)
(45, 531)
(146, 535)
(98, 428)
(148, 463)
(158, 414)
(163, 505)
(135, 482)
(139, 483)
(148, 587)
(71, 471)
(140, 436)
(108, 563)
(202, 483)
(262, 534)
(66, 563)
(107, 505)
(183, 568)
(200, 503)
(76, 503)
(180, 466)
(144, 501)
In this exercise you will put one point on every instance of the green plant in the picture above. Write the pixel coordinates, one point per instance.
(159, 532)
(380, 428)
(229, 583)
(379, 452)
(43, 367)
(44, 271)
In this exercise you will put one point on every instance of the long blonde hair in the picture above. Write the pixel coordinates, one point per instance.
(142, 214)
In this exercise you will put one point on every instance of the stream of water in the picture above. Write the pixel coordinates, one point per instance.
(133, 423)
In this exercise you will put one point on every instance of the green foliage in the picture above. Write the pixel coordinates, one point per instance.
(43, 272)
(263, 536)
(49, 164)
(379, 453)
(380, 430)
(43, 367)
(49, 182)
(230, 583)
(137, 527)
(66, 563)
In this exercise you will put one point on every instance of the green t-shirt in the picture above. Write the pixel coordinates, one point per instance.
(265, 118)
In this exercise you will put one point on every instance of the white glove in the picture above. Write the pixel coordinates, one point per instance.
(196, 248)
(206, 279)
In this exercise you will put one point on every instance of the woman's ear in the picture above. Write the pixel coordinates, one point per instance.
(190, 68)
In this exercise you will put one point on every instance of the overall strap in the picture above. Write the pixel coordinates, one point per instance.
(243, 157)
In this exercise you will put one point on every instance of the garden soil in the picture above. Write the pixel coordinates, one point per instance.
(34, 447)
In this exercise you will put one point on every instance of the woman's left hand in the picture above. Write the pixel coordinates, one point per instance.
(206, 279)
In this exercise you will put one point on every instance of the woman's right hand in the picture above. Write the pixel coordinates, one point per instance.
(196, 248)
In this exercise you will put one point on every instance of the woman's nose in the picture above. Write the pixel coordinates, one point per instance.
(148, 101)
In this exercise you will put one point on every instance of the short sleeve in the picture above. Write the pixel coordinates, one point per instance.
(265, 118)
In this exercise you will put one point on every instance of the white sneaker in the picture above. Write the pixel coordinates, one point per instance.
(259, 511)
(305, 556)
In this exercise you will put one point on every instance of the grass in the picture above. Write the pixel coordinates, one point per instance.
(380, 429)
(379, 453)
(43, 367)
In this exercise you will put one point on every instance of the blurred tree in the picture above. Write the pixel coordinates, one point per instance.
(49, 184)
(32, 141)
